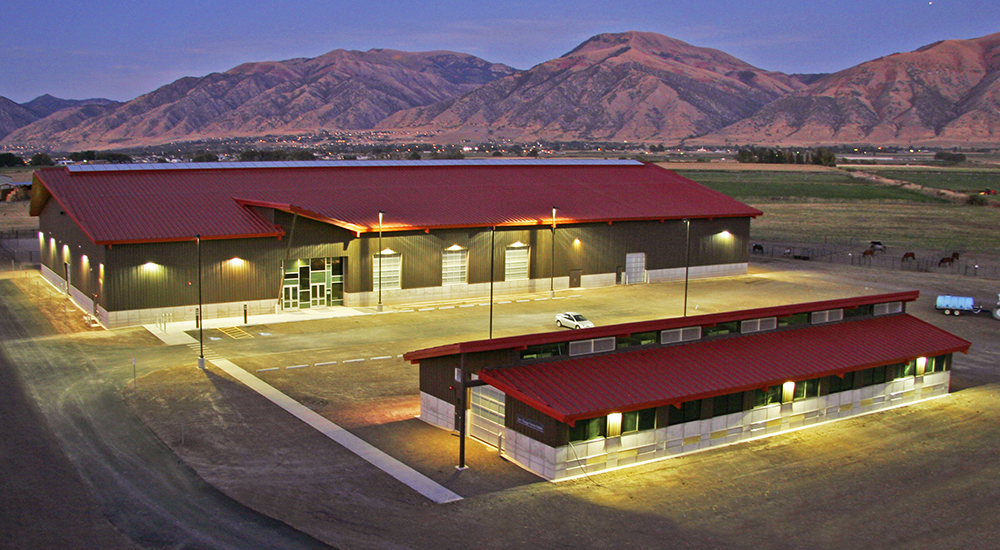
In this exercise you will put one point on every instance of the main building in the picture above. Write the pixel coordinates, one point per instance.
(138, 243)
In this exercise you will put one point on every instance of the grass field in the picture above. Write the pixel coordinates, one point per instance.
(952, 179)
(788, 186)
(922, 226)
(830, 206)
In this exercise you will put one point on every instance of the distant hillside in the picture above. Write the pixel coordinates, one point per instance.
(631, 86)
(944, 93)
(339, 90)
(625, 86)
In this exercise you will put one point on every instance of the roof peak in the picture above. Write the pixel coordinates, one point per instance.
(346, 164)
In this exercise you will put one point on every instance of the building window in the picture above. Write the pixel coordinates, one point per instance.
(636, 421)
(454, 266)
(637, 339)
(516, 263)
(792, 320)
(859, 311)
(592, 428)
(838, 384)
(770, 396)
(727, 404)
(544, 350)
(901, 370)
(940, 363)
(389, 272)
(721, 328)
(805, 389)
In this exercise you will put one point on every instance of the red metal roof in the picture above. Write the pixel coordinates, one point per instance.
(137, 203)
(625, 329)
(596, 385)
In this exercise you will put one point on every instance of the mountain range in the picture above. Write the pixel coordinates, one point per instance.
(632, 86)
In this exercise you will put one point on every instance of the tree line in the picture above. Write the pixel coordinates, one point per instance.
(776, 155)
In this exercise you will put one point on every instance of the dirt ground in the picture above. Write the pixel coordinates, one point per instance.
(922, 476)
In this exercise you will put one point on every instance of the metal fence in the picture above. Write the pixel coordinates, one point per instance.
(877, 259)
(15, 256)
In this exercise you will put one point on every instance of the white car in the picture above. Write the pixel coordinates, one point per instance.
(573, 320)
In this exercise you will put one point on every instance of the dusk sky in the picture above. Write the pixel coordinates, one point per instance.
(121, 49)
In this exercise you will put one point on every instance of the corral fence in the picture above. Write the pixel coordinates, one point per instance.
(890, 259)
(19, 249)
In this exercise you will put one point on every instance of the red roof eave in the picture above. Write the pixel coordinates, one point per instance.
(514, 342)
(571, 389)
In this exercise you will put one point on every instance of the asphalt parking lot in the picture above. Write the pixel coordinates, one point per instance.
(921, 476)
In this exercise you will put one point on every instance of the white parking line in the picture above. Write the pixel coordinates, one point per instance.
(268, 369)
(354, 360)
(325, 364)
(507, 302)
(519, 301)
(297, 367)
(426, 309)
(540, 299)
(381, 357)
(468, 305)
(486, 304)
(447, 307)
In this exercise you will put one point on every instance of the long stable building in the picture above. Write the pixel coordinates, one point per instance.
(141, 243)
(568, 403)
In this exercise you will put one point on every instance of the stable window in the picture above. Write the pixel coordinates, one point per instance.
(637, 339)
(515, 265)
(792, 320)
(838, 384)
(454, 266)
(859, 311)
(638, 420)
(544, 350)
(591, 428)
(727, 404)
(901, 370)
(386, 271)
(596, 345)
(721, 329)
(805, 389)
(770, 396)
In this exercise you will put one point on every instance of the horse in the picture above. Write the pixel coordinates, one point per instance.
(868, 253)
(758, 249)
(954, 256)
(946, 261)
(877, 247)
(909, 256)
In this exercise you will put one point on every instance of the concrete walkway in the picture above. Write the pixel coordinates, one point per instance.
(175, 334)
(410, 477)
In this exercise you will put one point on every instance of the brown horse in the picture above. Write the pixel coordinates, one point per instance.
(954, 256)
(946, 261)
(909, 256)
(868, 254)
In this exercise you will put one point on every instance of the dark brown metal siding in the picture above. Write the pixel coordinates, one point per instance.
(53, 222)
(437, 377)
(553, 434)
(155, 275)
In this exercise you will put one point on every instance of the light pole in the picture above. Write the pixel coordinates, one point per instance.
(687, 262)
(379, 256)
(201, 314)
(552, 258)
(493, 232)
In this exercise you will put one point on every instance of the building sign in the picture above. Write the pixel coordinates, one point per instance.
(530, 424)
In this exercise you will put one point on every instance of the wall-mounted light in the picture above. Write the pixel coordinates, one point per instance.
(517, 244)
(150, 266)
(454, 248)
(236, 262)
(387, 251)
(576, 242)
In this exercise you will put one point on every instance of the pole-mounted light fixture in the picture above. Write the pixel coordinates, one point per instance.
(379, 256)
(552, 258)
(201, 313)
